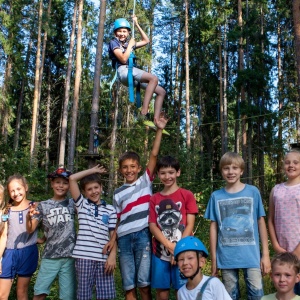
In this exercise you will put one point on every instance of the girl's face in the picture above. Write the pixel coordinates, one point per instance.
(122, 34)
(93, 191)
(17, 191)
(291, 165)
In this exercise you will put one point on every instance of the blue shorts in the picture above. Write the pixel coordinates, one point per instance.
(164, 275)
(22, 262)
(90, 273)
(135, 259)
(64, 268)
(136, 73)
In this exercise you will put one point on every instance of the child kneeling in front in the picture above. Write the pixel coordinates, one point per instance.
(285, 268)
(190, 254)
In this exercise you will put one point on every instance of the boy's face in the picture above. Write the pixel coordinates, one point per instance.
(122, 34)
(291, 165)
(168, 176)
(130, 170)
(188, 262)
(231, 173)
(93, 191)
(284, 277)
(60, 188)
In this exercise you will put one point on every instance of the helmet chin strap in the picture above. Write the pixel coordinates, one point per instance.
(190, 277)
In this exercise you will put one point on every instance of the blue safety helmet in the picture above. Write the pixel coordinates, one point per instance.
(121, 23)
(190, 243)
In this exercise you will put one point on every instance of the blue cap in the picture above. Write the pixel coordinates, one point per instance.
(190, 243)
(121, 23)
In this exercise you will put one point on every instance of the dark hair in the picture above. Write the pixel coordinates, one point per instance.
(166, 162)
(129, 155)
(88, 179)
(286, 258)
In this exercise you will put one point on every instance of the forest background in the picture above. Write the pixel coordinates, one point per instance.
(231, 70)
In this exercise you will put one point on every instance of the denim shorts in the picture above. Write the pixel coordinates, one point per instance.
(171, 275)
(136, 73)
(253, 280)
(64, 268)
(90, 274)
(135, 259)
(22, 262)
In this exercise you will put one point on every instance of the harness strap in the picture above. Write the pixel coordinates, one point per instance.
(200, 294)
(130, 77)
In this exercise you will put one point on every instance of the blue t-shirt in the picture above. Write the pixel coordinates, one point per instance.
(236, 215)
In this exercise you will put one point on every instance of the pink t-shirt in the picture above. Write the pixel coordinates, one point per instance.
(286, 201)
(169, 213)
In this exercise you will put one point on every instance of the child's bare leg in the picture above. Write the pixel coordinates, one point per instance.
(5, 286)
(22, 288)
(130, 294)
(160, 95)
(162, 294)
(145, 292)
(152, 82)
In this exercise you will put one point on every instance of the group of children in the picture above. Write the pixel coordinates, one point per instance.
(152, 234)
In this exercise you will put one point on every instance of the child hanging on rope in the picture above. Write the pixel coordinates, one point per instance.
(120, 48)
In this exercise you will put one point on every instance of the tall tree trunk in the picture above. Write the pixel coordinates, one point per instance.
(48, 118)
(36, 88)
(97, 75)
(296, 19)
(113, 139)
(64, 117)
(187, 75)
(21, 99)
(242, 90)
(76, 89)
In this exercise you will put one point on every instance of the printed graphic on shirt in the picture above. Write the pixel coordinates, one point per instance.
(59, 214)
(236, 228)
(168, 219)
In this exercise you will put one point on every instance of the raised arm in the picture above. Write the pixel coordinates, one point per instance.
(144, 38)
(74, 178)
(160, 124)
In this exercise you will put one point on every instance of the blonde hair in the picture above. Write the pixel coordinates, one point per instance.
(292, 151)
(232, 158)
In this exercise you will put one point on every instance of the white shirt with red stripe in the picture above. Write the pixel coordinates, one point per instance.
(132, 204)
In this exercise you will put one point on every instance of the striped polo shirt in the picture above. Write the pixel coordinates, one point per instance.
(132, 204)
(95, 222)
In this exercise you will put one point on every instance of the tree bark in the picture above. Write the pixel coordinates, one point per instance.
(76, 89)
(64, 118)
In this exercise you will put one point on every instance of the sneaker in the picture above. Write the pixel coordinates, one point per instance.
(151, 125)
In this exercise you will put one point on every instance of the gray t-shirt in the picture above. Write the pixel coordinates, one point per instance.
(58, 226)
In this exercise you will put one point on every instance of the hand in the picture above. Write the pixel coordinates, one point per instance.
(110, 264)
(134, 19)
(32, 210)
(214, 269)
(99, 169)
(297, 251)
(162, 121)
(107, 248)
(279, 249)
(265, 265)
